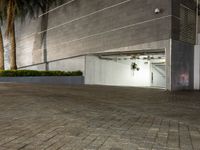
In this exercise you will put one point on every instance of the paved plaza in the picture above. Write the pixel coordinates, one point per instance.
(53, 117)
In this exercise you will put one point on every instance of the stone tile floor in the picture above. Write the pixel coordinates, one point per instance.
(53, 117)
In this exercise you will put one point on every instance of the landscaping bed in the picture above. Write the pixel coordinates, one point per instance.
(43, 77)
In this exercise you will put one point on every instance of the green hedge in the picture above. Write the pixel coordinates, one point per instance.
(22, 73)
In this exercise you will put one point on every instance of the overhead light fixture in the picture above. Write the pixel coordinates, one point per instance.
(133, 57)
(145, 58)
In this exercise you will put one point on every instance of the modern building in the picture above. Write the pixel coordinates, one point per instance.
(144, 43)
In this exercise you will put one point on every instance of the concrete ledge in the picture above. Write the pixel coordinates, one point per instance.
(69, 80)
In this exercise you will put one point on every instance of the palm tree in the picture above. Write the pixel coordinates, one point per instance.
(13, 9)
(1, 40)
(20, 9)
(1, 51)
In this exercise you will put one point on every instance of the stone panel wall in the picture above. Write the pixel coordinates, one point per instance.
(87, 26)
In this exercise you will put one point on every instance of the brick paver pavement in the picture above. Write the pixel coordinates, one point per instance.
(44, 117)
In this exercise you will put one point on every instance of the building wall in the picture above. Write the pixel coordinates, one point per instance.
(197, 67)
(182, 45)
(182, 65)
(184, 21)
(91, 26)
(86, 26)
(70, 64)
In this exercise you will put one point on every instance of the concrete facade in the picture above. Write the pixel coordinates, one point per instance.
(197, 67)
(62, 38)
(182, 57)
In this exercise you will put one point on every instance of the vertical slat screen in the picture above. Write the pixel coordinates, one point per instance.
(187, 25)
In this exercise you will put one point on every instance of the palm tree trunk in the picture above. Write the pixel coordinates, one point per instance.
(13, 62)
(1, 51)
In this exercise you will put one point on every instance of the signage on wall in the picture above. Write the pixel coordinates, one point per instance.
(184, 79)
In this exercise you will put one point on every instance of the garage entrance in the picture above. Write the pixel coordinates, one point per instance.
(136, 68)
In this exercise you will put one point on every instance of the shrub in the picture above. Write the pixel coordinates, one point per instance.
(22, 73)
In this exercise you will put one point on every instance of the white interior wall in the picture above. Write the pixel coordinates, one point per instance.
(119, 73)
(159, 74)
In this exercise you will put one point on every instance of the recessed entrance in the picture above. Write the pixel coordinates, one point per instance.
(136, 68)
